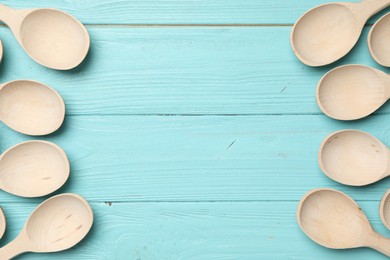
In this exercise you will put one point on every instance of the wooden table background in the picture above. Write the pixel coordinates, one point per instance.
(192, 129)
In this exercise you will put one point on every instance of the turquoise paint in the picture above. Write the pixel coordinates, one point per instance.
(204, 230)
(173, 12)
(191, 142)
(195, 70)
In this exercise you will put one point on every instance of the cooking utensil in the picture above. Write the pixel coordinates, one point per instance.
(327, 32)
(51, 37)
(334, 220)
(33, 169)
(30, 107)
(354, 158)
(352, 92)
(57, 224)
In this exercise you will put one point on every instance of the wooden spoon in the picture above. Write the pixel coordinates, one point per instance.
(379, 41)
(3, 223)
(57, 224)
(30, 107)
(354, 158)
(334, 220)
(327, 32)
(384, 209)
(33, 169)
(352, 92)
(51, 37)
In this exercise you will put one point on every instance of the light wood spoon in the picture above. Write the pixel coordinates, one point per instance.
(51, 37)
(379, 41)
(3, 223)
(384, 209)
(57, 224)
(352, 92)
(33, 169)
(334, 220)
(354, 158)
(30, 107)
(327, 32)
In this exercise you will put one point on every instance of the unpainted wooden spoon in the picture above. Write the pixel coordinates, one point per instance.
(334, 220)
(354, 158)
(51, 37)
(30, 107)
(328, 32)
(33, 169)
(57, 224)
(379, 41)
(352, 92)
(384, 209)
(3, 223)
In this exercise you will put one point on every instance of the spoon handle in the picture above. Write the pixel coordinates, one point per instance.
(371, 7)
(7, 15)
(380, 243)
(387, 90)
(388, 168)
(12, 249)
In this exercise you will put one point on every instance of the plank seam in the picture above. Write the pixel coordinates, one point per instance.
(205, 115)
(186, 25)
(198, 25)
(110, 202)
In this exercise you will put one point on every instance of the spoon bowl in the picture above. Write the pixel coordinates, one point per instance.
(334, 220)
(51, 37)
(328, 32)
(30, 107)
(384, 209)
(354, 158)
(352, 92)
(379, 41)
(318, 30)
(57, 224)
(33, 169)
(321, 218)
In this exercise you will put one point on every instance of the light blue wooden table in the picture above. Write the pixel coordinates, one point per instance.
(192, 129)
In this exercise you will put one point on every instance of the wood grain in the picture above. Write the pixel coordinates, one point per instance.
(227, 230)
(205, 158)
(177, 12)
(183, 71)
(197, 125)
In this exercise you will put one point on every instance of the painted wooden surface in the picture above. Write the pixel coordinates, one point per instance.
(192, 129)
(195, 70)
(202, 230)
(178, 12)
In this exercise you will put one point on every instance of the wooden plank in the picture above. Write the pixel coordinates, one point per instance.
(160, 158)
(176, 11)
(183, 71)
(239, 230)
